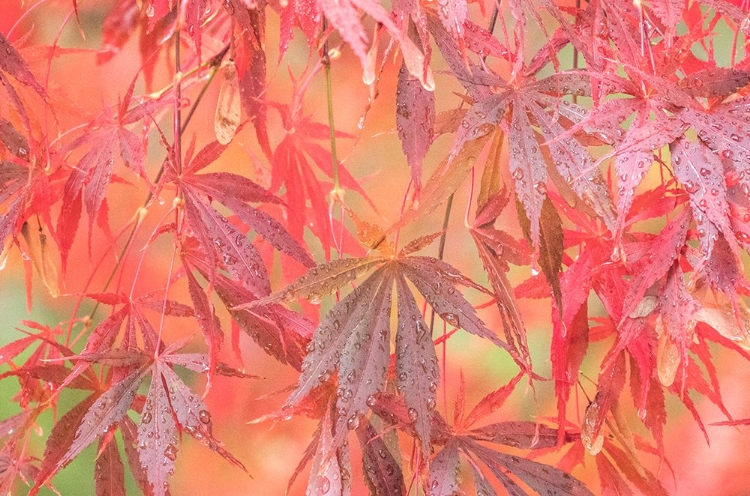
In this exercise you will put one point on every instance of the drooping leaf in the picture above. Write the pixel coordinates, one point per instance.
(60, 441)
(109, 472)
(382, 471)
(326, 472)
(444, 471)
(701, 173)
(13, 63)
(157, 434)
(438, 289)
(417, 373)
(550, 243)
(415, 119)
(364, 358)
(229, 246)
(107, 410)
(539, 477)
(205, 315)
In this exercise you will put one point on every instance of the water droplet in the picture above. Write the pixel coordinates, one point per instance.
(371, 401)
(353, 422)
(450, 319)
(170, 452)
(324, 485)
(691, 187)
(705, 172)
(518, 174)
(413, 414)
(146, 418)
(204, 416)
(150, 10)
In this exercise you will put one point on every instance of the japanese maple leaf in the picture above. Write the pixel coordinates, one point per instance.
(292, 168)
(415, 119)
(278, 331)
(170, 408)
(468, 441)
(90, 177)
(532, 104)
(353, 339)
(12, 63)
(226, 244)
(496, 248)
(701, 173)
(248, 40)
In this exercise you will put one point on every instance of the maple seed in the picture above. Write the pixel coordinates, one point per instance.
(228, 111)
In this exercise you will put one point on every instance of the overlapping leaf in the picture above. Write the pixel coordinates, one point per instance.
(353, 339)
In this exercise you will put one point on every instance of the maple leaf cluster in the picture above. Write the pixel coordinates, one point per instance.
(618, 133)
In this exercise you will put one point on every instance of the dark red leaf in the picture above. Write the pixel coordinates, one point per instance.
(382, 469)
(434, 279)
(61, 441)
(109, 472)
(13, 63)
(230, 247)
(205, 315)
(444, 469)
(520, 434)
(417, 373)
(541, 478)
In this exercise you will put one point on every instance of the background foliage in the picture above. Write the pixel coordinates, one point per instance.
(517, 265)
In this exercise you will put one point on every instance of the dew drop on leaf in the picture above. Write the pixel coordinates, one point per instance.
(691, 187)
(147, 417)
(204, 416)
(324, 484)
(353, 422)
(413, 414)
(170, 452)
(450, 319)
